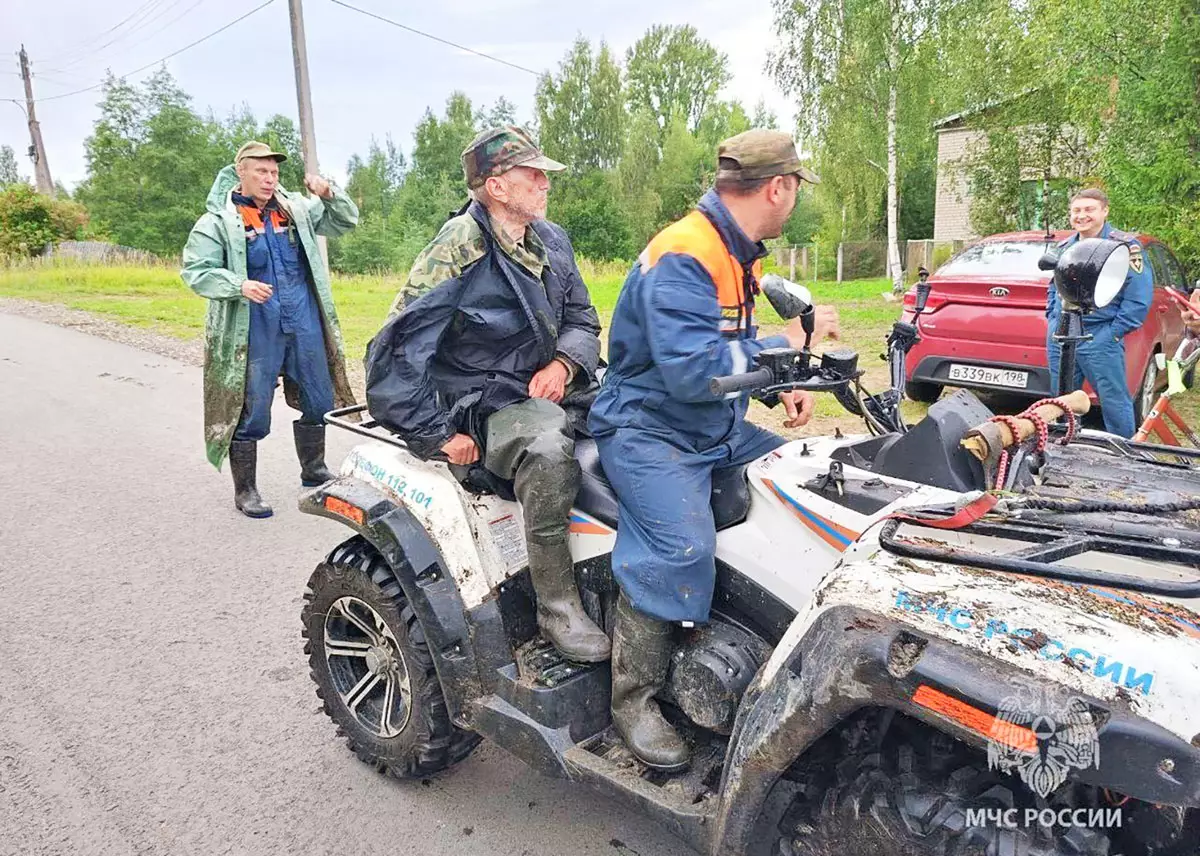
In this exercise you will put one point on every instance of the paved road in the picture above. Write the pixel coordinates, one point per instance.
(153, 694)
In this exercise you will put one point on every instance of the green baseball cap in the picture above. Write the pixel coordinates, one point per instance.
(760, 153)
(497, 150)
(255, 149)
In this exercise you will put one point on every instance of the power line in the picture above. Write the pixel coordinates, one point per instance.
(82, 46)
(153, 17)
(165, 58)
(439, 39)
(99, 45)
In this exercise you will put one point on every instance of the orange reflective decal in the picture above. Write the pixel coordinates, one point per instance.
(344, 509)
(980, 721)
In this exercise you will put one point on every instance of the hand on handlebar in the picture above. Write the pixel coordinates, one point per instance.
(799, 405)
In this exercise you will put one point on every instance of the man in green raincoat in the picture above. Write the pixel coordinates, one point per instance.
(254, 255)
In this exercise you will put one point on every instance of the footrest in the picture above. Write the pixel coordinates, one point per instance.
(539, 663)
(556, 692)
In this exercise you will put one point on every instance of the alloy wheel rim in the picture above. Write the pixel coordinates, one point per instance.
(367, 667)
(1150, 388)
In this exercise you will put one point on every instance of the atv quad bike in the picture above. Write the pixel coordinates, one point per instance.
(911, 650)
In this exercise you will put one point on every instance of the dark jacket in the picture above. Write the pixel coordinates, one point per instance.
(470, 346)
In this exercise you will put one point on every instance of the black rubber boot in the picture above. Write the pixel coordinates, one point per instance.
(641, 654)
(310, 449)
(560, 613)
(243, 463)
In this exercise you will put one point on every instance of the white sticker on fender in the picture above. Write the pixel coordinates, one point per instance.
(510, 540)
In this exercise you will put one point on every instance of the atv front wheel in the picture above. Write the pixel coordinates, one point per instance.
(368, 656)
(903, 789)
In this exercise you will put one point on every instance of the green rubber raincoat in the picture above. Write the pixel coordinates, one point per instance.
(214, 266)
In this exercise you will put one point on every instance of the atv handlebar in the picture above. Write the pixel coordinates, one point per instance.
(784, 369)
(738, 382)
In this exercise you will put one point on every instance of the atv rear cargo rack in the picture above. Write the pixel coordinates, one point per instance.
(1142, 451)
(366, 427)
(1053, 544)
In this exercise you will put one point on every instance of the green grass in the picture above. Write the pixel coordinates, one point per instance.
(154, 297)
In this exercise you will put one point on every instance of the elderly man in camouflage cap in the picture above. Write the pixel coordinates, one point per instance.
(489, 361)
(685, 315)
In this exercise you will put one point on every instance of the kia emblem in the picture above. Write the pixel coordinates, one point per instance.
(999, 291)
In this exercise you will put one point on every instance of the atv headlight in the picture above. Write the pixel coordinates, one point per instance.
(1091, 273)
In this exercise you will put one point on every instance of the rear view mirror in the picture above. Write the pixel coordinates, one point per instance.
(789, 299)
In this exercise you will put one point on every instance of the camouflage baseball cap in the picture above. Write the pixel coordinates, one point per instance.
(255, 149)
(761, 154)
(497, 150)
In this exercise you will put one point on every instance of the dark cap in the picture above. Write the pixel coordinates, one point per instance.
(760, 153)
(255, 149)
(496, 151)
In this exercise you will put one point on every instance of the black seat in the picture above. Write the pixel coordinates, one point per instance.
(730, 491)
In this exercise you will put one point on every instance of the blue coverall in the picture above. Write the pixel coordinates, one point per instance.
(684, 316)
(1102, 360)
(285, 331)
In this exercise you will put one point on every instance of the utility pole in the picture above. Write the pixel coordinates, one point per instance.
(308, 134)
(37, 151)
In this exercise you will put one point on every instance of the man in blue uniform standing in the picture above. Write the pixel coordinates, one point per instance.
(1101, 361)
(686, 314)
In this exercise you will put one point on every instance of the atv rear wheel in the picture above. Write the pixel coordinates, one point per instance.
(374, 674)
(904, 789)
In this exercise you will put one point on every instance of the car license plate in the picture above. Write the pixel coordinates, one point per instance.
(992, 377)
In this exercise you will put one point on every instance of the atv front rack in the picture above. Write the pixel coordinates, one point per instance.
(1051, 545)
(367, 427)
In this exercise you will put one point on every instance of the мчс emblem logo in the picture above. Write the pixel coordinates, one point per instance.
(1043, 739)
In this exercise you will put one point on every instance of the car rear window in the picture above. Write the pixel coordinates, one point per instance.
(998, 258)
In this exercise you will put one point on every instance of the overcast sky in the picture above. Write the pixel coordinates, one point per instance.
(368, 78)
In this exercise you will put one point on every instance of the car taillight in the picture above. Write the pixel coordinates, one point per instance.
(933, 303)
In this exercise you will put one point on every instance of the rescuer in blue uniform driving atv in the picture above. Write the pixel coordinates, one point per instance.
(685, 315)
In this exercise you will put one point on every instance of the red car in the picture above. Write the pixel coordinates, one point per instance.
(984, 326)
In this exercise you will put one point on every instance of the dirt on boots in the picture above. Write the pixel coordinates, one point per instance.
(641, 655)
(560, 613)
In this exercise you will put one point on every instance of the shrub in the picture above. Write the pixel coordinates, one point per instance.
(29, 221)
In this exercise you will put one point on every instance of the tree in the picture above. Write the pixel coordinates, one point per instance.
(581, 110)
(764, 116)
(440, 142)
(589, 209)
(9, 174)
(850, 62)
(375, 183)
(675, 75)
(503, 112)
